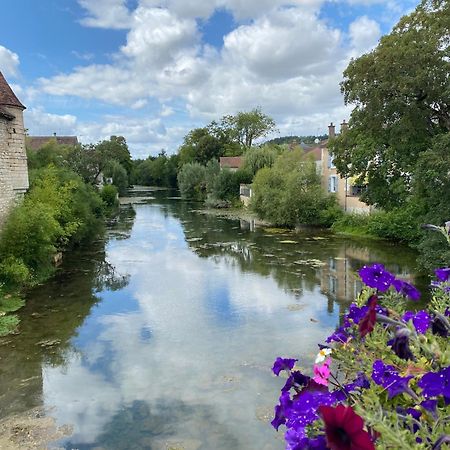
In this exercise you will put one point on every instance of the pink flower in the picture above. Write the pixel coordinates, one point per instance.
(322, 373)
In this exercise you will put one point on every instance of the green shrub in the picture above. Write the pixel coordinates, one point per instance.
(118, 174)
(192, 181)
(109, 195)
(226, 185)
(352, 223)
(290, 193)
(14, 272)
(212, 202)
(258, 157)
(399, 224)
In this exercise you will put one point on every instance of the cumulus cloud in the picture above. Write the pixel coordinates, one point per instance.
(106, 14)
(286, 59)
(364, 34)
(9, 62)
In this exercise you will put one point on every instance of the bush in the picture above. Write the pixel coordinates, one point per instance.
(14, 272)
(109, 195)
(192, 181)
(118, 174)
(225, 185)
(59, 210)
(290, 193)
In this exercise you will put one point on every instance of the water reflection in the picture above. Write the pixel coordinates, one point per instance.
(166, 339)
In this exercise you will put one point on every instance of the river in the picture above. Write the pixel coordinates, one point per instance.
(161, 335)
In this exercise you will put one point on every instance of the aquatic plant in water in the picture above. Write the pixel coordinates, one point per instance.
(382, 380)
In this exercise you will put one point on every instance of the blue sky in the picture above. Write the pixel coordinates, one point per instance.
(151, 70)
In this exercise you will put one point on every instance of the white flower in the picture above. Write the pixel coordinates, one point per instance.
(322, 355)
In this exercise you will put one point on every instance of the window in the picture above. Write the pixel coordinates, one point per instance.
(331, 161)
(332, 183)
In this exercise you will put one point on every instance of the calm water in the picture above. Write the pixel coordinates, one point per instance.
(162, 335)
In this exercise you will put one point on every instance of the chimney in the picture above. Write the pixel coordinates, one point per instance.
(331, 130)
(54, 134)
(344, 126)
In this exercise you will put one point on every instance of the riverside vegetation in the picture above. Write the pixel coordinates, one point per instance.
(62, 209)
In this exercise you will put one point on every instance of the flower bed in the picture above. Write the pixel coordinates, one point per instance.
(383, 378)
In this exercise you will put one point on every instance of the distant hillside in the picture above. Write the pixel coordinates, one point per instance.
(288, 139)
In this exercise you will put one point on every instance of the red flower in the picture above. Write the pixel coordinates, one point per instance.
(344, 429)
(367, 323)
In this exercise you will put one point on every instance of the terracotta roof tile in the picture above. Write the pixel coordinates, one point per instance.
(7, 96)
(232, 162)
(36, 142)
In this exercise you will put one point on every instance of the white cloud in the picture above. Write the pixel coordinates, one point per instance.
(364, 34)
(40, 122)
(287, 59)
(9, 62)
(106, 14)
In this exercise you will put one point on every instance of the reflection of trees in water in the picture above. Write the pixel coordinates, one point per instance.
(296, 267)
(53, 313)
(121, 225)
(143, 426)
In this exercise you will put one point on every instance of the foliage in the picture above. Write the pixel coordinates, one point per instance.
(59, 210)
(50, 153)
(296, 139)
(91, 160)
(156, 171)
(258, 157)
(109, 195)
(231, 136)
(290, 193)
(400, 91)
(118, 174)
(246, 127)
(387, 367)
(14, 272)
(192, 181)
(8, 324)
(226, 185)
(200, 146)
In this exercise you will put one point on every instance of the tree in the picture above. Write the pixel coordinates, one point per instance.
(258, 157)
(245, 127)
(401, 94)
(200, 146)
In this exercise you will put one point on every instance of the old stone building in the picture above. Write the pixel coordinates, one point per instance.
(13, 158)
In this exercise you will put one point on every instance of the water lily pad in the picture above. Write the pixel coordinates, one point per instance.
(287, 241)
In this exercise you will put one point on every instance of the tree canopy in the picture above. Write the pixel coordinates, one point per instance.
(401, 93)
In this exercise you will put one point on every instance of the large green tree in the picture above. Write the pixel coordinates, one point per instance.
(401, 95)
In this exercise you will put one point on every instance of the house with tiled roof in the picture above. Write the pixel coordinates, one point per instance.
(37, 142)
(232, 163)
(13, 158)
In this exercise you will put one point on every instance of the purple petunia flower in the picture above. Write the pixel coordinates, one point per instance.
(282, 410)
(420, 319)
(297, 441)
(339, 335)
(283, 364)
(296, 379)
(434, 384)
(443, 274)
(386, 376)
(400, 344)
(376, 277)
(305, 406)
(406, 289)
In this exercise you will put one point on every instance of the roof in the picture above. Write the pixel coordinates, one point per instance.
(315, 152)
(37, 142)
(232, 162)
(7, 96)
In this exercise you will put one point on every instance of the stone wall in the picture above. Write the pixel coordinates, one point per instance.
(13, 160)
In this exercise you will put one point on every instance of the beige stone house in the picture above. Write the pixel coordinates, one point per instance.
(347, 193)
(13, 158)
